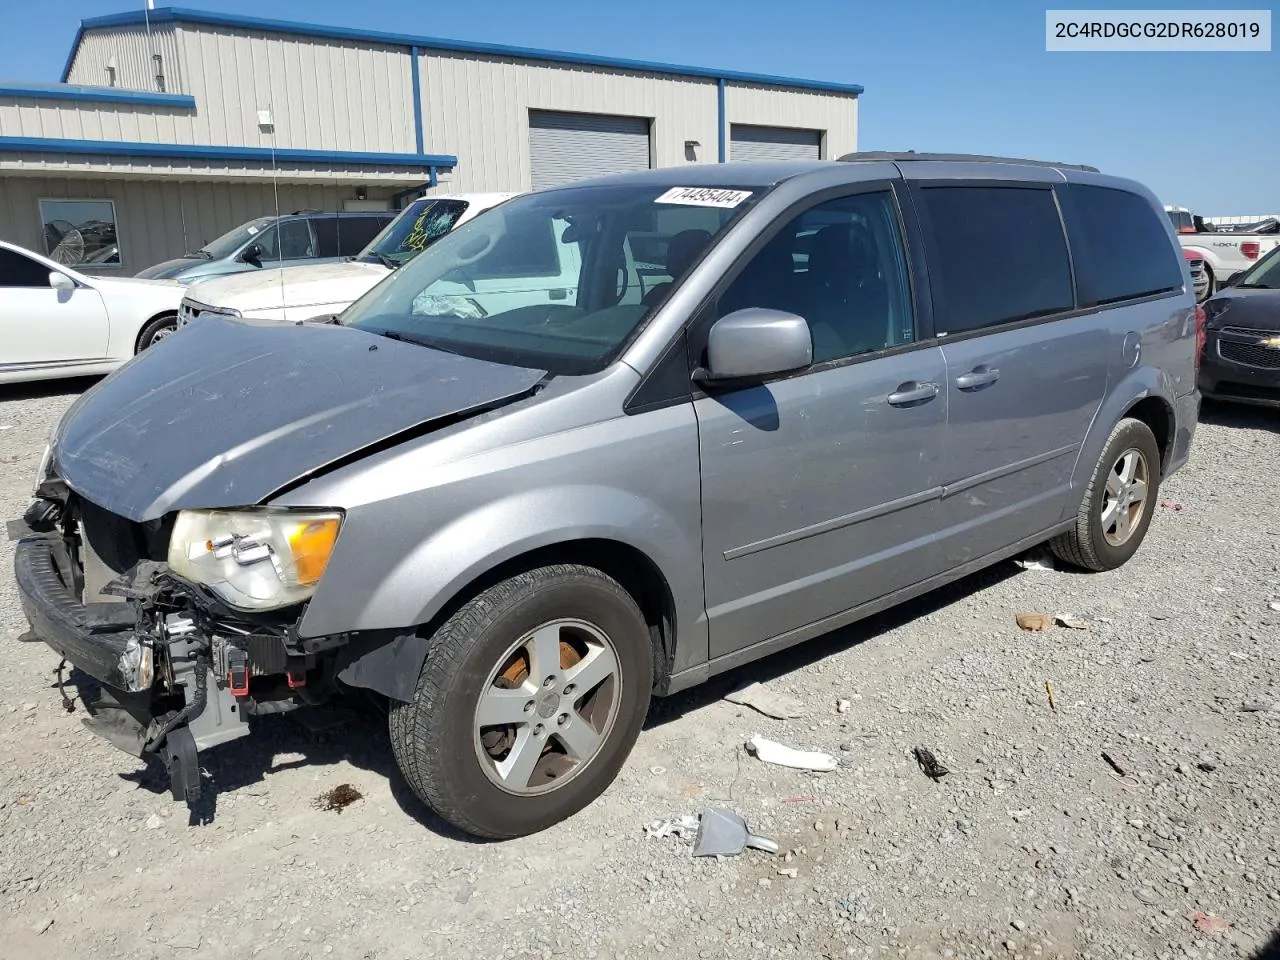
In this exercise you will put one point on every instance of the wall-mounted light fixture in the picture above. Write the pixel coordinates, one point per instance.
(266, 123)
(691, 150)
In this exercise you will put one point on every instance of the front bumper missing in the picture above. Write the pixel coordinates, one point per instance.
(103, 639)
(159, 693)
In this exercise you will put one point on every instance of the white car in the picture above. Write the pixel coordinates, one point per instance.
(57, 322)
(299, 294)
(1224, 252)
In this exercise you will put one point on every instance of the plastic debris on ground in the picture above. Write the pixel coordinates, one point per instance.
(1041, 559)
(683, 828)
(772, 752)
(1172, 505)
(1071, 621)
(1208, 923)
(779, 706)
(722, 833)
(929, 764)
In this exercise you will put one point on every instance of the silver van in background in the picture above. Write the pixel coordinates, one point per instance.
(771, 399)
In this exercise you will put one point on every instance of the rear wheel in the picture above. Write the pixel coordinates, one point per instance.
(156, 330)
(1117, 506)
(529, 701)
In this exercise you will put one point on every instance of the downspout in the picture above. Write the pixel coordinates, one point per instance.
(720, 115)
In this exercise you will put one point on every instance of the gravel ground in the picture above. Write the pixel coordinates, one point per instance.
(1032, 846)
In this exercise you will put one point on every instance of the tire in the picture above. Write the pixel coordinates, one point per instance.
(1211, 286)
(486, 651)
(1093, 545)
(156, 330)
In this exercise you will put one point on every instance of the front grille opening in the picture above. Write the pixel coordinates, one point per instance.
(1250, 354)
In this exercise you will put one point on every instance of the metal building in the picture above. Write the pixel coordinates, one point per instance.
(172, 126)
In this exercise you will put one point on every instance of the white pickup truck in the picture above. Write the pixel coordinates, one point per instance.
(1224, 252)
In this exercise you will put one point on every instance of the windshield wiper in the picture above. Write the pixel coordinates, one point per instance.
(1252, 286)
(387, 262)
(419, 341)
(199, 254)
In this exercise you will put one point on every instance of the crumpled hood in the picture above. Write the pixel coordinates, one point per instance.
(1251, 309)
(321, 283)
(226, 412)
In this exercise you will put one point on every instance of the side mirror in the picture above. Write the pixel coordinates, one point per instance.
(61, 282)
(252, 254)
(755, 344)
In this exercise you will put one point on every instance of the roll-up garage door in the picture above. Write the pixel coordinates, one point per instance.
(774, 143)
(564, 147)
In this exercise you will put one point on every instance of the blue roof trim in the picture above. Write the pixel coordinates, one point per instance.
(182, 15)
(177, 151)
(70, 91)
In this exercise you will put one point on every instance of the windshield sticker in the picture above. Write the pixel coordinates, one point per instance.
(252, 230)
(704, 197)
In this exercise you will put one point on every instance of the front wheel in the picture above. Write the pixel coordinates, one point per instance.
(156, 330)
(1118, 504)
(529, 701)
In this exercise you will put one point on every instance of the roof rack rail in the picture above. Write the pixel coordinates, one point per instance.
(960, 158)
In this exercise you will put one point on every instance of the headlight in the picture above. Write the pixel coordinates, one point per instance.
(254, 559)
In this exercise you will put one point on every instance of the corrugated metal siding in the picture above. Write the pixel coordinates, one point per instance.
(774, 143)
(157, 219)
(477, 107)
(564, 147)
(833, 113)
(324, 94)
(131, 49)
(94, 121)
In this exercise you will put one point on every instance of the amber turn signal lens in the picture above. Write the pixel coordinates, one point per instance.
(311, 544)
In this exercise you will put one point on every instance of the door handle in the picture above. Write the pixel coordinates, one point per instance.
(977, 377)
(911, 392)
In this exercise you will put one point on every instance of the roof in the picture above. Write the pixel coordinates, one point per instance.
(74, 91)
(911, 155)
(181, 15)
(739, 173)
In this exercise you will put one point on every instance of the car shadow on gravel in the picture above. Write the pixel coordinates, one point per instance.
(806, 654)
(1239, 416)
(38, 389)
(350, 730)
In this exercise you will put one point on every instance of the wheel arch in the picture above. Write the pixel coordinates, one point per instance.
(389, 662)
(137, 338)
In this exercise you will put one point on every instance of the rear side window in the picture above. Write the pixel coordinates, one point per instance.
(326, 229)
(355, 233)
(1125, 247)
(999, 255)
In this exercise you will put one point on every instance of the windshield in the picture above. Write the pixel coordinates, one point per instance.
(556, 280)
(1265, 274)
(233, 240)
(421, 224)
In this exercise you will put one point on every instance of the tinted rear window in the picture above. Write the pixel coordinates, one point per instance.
(999, 256)
(355, 233)
(1125, 247)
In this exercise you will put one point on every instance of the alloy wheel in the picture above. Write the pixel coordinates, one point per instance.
(547, 707)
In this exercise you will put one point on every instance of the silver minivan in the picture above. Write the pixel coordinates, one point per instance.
(773, 399)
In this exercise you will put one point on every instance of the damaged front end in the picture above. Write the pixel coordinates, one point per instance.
(180, 671)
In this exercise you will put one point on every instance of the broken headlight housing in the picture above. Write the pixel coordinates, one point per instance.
(254, 559)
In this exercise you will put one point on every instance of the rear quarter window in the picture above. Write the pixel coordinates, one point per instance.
(1122, 245)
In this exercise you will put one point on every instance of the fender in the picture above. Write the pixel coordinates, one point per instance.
(1135, 386)
(423, 582)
